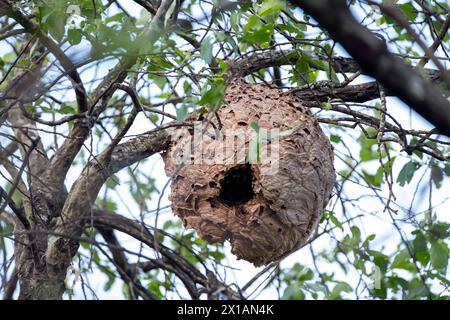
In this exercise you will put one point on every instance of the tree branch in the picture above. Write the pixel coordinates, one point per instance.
(64, 156)
(69, 68)
(85, 190)
(375, 59)
(127, 273)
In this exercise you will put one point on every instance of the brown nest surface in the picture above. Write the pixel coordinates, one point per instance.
(264, 215)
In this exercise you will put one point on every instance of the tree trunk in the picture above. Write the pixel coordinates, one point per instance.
(41, 287)
(37, 280)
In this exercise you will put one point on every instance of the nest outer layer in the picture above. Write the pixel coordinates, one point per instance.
(273, 215)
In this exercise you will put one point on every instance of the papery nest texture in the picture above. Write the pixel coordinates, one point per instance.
(267, 206)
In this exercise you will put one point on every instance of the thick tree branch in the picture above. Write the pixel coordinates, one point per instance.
(25, 130)
(275, 58)
(322, 91)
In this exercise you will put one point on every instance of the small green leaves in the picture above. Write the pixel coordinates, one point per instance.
(293, 292)
(407, 172)
(331, 216)
(339, 288)
(257, 32)
(369, 150)
(67, 108)
(335, 138)
(409, 10)
(374, 180)
(212, 94)
(327, 105)
(271, 7)
(420, 248)
(403, 261)
(297, 279)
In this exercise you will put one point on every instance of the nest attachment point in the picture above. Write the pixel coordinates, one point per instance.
(264, 215)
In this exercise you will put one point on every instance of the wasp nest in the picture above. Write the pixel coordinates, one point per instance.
(266, 208)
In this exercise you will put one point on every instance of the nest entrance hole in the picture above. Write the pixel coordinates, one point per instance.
(237, 187)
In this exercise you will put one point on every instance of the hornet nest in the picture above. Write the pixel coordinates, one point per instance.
(265, 213)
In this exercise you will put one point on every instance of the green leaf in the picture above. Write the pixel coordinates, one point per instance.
(252, 21)
(339, 288)
(409, 10)
(380, 259)
(52, 19)
(327, 105)
(420, 242)
(407, 172)
(369, 238)
(356, 233)
(234, 20)
(368, 147)
(212, 94)
(333, 219)
(153, 117)
(159, 81)
(416, 289)
(182, 112)
(66, 108)
(271, 7)
(335, 138)
(374, 180)
(260, 35)
(293, 292)
(74, 36)
(439, 230)
(403, 261)
(206, 50)
(439, 255)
